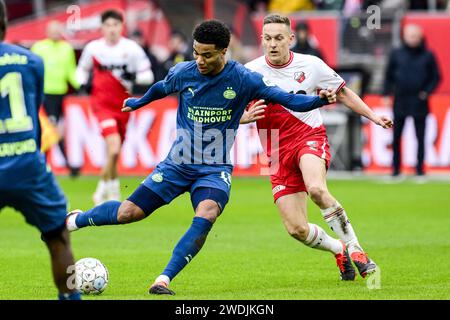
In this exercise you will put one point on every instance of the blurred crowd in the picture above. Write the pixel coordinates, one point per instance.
(347, 6)
(21, 8)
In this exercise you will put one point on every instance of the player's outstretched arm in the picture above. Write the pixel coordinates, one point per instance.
(351, 100)
(264, 89)
(304, 103)
(155, 92)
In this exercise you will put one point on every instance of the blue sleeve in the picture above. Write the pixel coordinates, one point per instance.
(155, 92)
(38, 69)
(263, 89)
(39, 82)
(173, 79)
(161, 89)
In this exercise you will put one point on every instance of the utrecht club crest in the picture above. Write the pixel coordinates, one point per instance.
(299, 76)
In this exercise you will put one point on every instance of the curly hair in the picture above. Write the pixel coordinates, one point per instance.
(212, 32)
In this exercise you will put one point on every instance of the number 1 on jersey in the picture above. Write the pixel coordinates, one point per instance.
(11, 85)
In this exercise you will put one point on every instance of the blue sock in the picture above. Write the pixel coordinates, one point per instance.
(69, 296)
(188, 246)
(104, 214)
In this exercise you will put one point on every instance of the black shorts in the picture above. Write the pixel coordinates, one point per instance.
(53, 105)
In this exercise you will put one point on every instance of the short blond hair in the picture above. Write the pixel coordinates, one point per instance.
(276, 18)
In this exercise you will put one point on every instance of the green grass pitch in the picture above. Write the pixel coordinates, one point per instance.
(248, 255)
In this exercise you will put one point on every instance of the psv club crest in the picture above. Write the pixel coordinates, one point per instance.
(299, 76)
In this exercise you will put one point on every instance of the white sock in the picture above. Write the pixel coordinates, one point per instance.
(70, 223)
(113, 189)
(319, 239)
(100, 193)
(338, 221)
(163, 278)
(101, 186)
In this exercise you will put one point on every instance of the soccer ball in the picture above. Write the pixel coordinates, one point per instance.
(91, 276)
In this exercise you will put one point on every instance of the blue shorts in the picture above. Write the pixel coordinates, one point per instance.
(41, 201)
(170, 180)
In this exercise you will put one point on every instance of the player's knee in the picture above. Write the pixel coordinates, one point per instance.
(55, 234)
(298, 231)
(129, 212)
(317, 193)
(114, 152)
(56, 239)
(113, 147)
(208, 209)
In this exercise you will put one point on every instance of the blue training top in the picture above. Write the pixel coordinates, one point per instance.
(21, 87)
(210, 108)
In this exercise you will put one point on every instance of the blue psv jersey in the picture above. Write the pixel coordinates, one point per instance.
(210, 108)
(21, 87)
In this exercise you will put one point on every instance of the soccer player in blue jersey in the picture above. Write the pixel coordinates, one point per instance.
(213, 94)
(25, 182)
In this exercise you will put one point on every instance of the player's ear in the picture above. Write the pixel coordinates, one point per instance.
(224, 51)
(291, 38)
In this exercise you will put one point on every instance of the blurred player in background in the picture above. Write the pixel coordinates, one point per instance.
(25, 182)
(116, 63)
(305, 43)
(412, 74)
(303, 146)
(60, 68)
(213, 94)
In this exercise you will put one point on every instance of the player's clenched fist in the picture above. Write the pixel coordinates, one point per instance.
(125, 107)
(329, 94)
(384, 122)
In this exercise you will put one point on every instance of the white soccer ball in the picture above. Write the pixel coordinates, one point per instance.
(91, 276)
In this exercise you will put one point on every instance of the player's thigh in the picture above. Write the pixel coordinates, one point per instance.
(168, 181)
(293, 212)
(314, 171)
(112, 123)
(43, 205)
(288, 179)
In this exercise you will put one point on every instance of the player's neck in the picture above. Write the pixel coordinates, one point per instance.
(280, 62)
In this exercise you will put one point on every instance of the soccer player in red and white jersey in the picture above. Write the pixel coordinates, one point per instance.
(303, 149)
(115, 63)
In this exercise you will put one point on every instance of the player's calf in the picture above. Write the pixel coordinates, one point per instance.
(129, 212)
(104, 214)
(58, 244)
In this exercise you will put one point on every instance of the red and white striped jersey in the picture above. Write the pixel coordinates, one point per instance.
(110, 65)
(302, 74)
